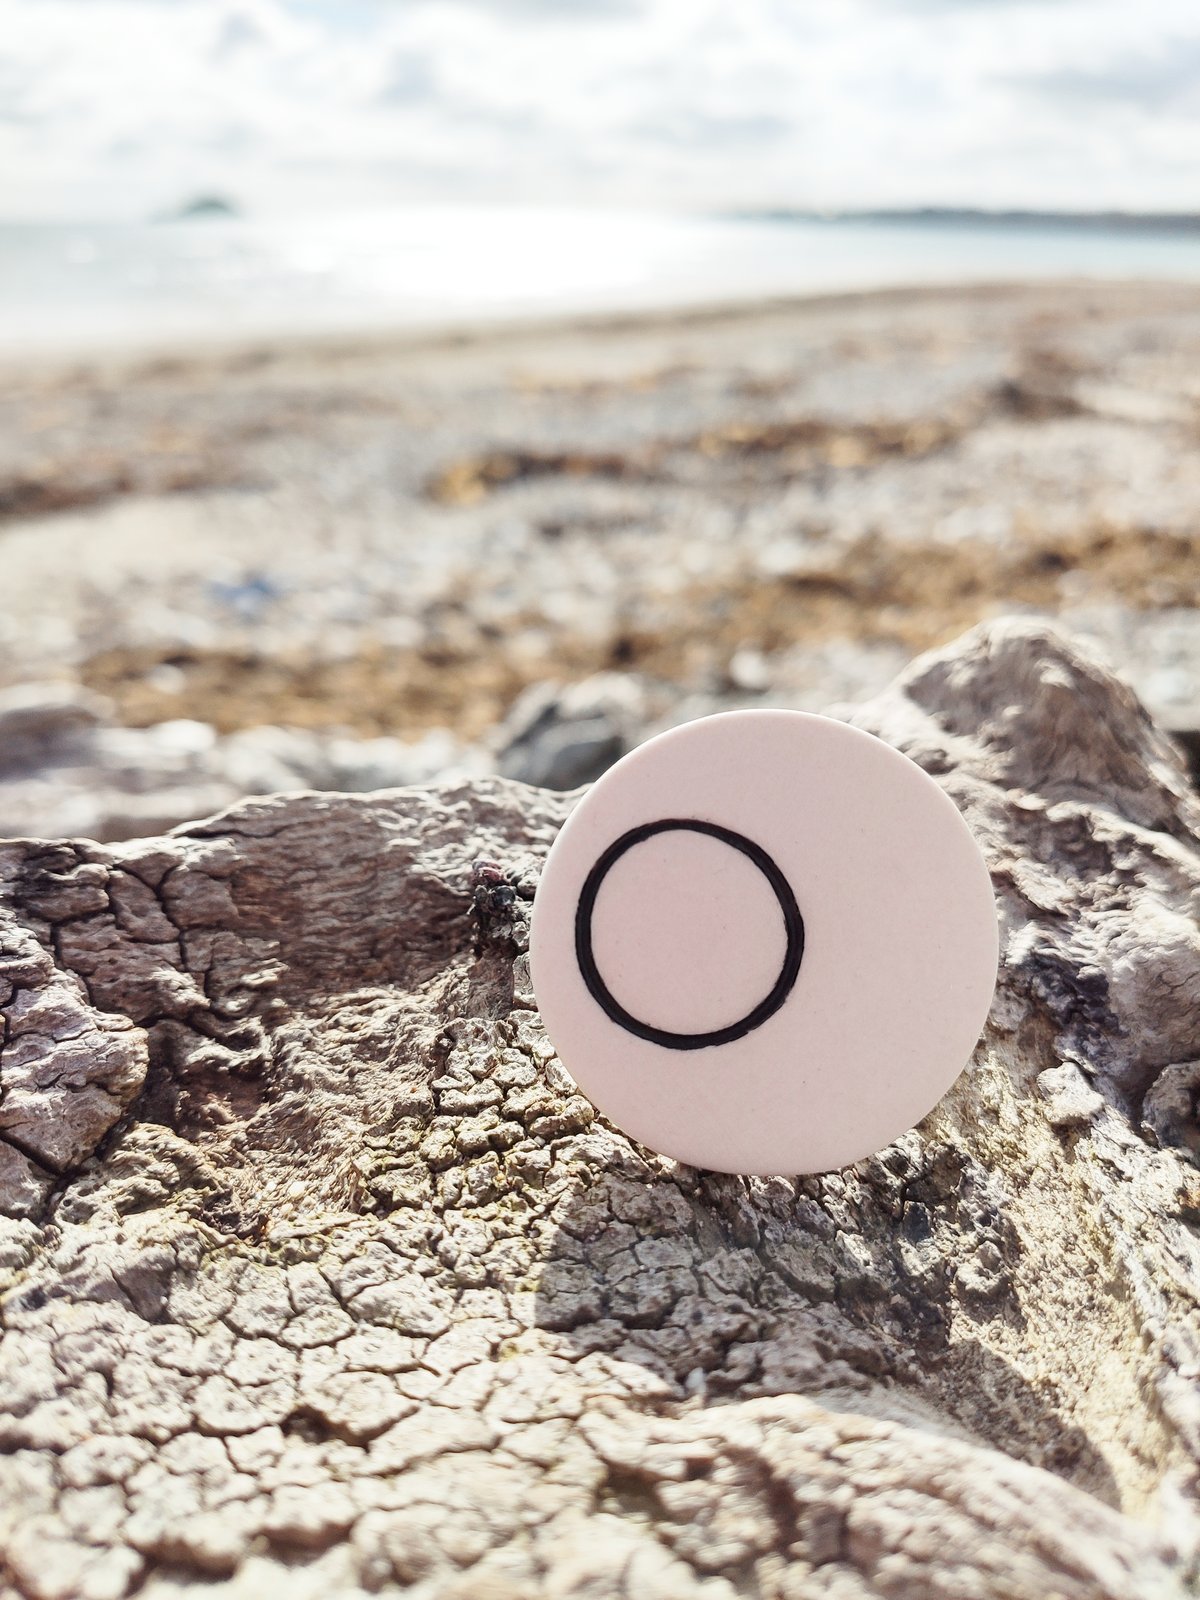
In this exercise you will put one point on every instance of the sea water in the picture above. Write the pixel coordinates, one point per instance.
(97, 285)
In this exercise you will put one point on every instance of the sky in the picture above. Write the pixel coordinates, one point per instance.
(122, 108)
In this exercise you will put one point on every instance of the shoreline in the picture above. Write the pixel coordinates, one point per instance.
(398, 340)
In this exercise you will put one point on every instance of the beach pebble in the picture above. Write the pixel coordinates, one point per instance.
(38, 718)
(66, 770)
(559, 737)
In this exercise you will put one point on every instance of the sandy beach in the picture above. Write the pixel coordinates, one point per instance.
(432, 542)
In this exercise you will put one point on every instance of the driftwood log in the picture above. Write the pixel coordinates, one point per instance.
(322, 1281)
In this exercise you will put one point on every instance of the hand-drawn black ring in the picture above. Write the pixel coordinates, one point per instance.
(793, 924)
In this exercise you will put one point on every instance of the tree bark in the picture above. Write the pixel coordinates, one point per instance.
(322, 1280)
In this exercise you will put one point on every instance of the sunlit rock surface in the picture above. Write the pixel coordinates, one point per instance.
(320, 1278)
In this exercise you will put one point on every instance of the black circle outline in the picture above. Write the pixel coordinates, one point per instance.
(792, 920)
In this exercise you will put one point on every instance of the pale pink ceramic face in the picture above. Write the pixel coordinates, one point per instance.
(707, 938)
(790, 969)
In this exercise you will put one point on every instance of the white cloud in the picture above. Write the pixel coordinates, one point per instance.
(126, 106)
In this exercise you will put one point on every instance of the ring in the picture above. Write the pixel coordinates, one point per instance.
(793, 924)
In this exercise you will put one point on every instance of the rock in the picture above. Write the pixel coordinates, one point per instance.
(38, 719)
(1171, 1109)
(358, 765)
(560, 737)
(67, 769)
(1070, 1100)
(749, 670)
(320, 1276)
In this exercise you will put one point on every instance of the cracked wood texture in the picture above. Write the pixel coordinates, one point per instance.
(321, 1280)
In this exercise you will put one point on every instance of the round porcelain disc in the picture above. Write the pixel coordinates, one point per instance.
(764, 942)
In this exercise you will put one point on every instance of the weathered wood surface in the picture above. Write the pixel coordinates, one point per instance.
(321, 1280)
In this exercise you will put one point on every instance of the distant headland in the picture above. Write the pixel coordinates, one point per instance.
(971, 216)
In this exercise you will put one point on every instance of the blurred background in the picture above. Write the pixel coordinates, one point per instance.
(398, 389)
